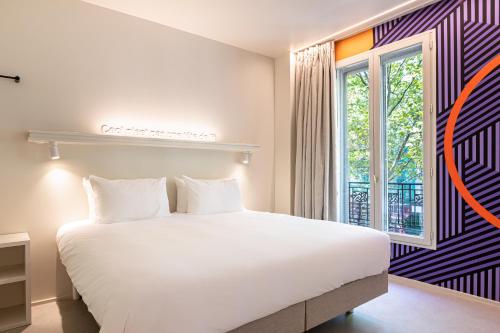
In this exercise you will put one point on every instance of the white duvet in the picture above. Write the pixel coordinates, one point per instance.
(211, 273)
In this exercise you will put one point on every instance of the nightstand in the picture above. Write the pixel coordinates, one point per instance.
(15, 278)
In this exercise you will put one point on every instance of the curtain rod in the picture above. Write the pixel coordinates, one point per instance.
(400, 10)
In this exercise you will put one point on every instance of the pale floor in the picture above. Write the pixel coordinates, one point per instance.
(404, 309)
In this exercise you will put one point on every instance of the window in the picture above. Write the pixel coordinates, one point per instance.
(386, 140)
(356, 140)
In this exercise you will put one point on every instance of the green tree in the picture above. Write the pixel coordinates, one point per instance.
(357, 126)
(403, 105)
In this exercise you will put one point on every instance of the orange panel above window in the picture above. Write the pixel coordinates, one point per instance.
(353, 45)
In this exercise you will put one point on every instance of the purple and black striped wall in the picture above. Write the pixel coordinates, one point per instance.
(467, 258)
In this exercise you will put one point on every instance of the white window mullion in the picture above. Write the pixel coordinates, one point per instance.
(375, 179)
(429, 56)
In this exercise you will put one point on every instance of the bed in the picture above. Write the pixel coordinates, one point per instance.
(240, 272)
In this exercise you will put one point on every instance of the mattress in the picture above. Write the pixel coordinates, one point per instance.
(212, 273)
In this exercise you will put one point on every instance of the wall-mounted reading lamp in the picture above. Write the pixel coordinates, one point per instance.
(245, 158)
(16, 78)
(54, 150)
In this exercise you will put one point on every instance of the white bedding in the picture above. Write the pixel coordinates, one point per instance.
(211, 273)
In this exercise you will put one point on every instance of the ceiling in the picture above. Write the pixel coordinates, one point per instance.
(268, 27)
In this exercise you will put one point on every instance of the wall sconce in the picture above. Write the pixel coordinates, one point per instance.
(54, 150)
(245, 158)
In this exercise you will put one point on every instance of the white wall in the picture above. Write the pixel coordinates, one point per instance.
(82, 66)
(284, 134)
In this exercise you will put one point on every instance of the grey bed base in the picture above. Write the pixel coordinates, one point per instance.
(305, 315)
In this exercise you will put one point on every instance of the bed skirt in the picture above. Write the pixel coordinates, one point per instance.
(305, 315)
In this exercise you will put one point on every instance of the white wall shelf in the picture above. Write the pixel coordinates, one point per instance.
(12, 273)
(75, 138)
(12, 317)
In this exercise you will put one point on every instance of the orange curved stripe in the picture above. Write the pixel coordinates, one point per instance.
(448, 142)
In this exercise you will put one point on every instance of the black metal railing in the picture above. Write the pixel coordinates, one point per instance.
(404, 211)
(359, 203)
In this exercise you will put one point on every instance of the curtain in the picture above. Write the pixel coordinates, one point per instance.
(314, 143)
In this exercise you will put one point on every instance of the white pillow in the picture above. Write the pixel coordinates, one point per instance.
(181, 195)
(212, 196)
(124, 200)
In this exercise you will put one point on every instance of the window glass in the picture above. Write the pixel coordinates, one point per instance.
(403, 148)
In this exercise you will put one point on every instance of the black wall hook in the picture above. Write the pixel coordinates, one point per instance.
(15, 78)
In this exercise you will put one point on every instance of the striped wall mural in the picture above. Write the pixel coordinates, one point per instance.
(467, 258)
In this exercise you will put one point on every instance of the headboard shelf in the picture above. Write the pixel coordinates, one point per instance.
(76, 138)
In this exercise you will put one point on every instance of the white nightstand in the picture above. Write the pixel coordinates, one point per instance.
(15, 280)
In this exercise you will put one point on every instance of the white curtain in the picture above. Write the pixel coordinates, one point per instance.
(314, 138)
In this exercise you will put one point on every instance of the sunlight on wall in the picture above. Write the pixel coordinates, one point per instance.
(240, 173)
(59, 183)
(59, 190)
(58, 177)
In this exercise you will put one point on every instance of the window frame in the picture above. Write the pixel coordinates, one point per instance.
(350, 67)
(374, 59)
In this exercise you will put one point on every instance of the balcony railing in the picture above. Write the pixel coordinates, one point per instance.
(359, 203)
(404, 210)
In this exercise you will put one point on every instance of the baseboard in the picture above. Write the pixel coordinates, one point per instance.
(441, 290)
(50, 300)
